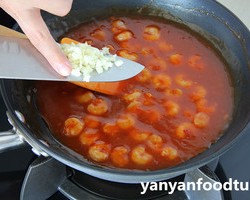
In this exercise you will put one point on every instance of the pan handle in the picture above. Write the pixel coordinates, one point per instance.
(10, 140)
(14, 139)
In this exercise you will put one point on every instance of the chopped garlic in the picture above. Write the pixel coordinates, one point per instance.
(86, 59)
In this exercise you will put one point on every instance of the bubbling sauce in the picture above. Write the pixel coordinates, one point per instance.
(170, 112)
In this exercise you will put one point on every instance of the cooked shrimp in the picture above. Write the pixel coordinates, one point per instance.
(119, 156)
(144, 76)
(89, 137)
(172, 108)
(118, 26)
(176, 59)
(73, 126)
(139, 135)
(201, 120)
(128, 55)
(124, 36)
(150, 116)
(157, 64)
(202, 106)
(140, 156)
(86, 97)
(151, 32)
(198, 93)
(174, 92)
(196, 62)
(185, 129)
(134, 106)
(132, 96)
(111, 129)
(98, 107)
(161, 81)
(91, 121)
(99, 151)
(155, 142)
(179, 79)
(169, 152)
(126, 121)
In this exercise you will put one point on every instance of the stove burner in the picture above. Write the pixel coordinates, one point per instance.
(46, 176)
(113, 190)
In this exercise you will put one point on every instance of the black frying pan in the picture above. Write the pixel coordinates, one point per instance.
(229, 36)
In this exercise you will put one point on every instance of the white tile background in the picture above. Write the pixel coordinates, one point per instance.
(241, 8)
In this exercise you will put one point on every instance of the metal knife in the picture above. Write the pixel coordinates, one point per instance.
(19, 59)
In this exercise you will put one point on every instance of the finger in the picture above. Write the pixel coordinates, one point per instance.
(56, 7)
(36, 30)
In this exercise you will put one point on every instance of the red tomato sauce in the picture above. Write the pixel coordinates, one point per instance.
(173, 110)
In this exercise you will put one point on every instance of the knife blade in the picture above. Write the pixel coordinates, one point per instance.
(19, 59)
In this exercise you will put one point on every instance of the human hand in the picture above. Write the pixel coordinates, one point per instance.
(28, 16)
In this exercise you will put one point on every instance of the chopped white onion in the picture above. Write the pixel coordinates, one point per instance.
(86, 59)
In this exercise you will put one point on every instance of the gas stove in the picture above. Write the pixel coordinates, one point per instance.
(25, 175)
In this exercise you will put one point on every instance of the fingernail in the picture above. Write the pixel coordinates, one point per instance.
(63, 69)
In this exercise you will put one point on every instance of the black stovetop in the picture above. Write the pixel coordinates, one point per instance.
(234, 164)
